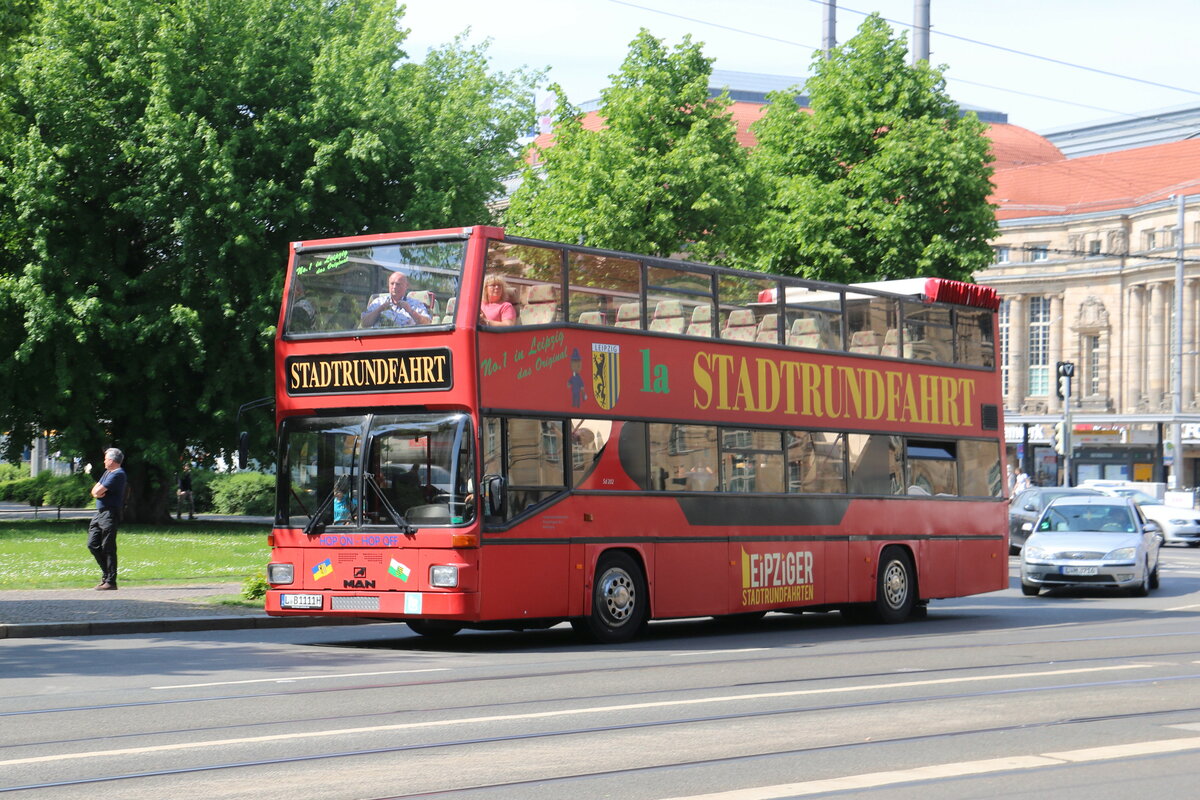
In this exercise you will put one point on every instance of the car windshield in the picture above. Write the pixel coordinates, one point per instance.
(1087, 518)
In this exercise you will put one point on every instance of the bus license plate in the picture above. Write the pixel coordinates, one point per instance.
(300, 601)
(1080, 570)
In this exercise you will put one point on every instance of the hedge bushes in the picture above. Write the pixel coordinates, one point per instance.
(11, 472)
(68, 491)
(250, 493)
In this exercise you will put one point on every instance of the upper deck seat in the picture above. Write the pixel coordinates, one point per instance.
(807, 331)
(450, 306)
(768, 329)
(891, 343)
(541, 304)
(668, 317)
(591, 318)
(701, 324)
(629, 315)
(740, 325)
(865, 342)
(430, 301)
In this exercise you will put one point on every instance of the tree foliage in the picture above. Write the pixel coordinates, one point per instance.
(155, 158)
(883, 179)
(664, 172)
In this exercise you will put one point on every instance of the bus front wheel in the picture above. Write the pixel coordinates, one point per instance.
(620, 601)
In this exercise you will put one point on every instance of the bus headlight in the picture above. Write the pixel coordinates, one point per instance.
(280, 573)
(443, 576)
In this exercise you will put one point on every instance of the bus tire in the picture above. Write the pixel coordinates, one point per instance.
(620, 600)
(433, 628)
(895, 586)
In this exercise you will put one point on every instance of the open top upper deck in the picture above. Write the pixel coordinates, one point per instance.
(334, 286)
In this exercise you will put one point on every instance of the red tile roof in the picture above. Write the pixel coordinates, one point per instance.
(1101, 182)
(1013, 146)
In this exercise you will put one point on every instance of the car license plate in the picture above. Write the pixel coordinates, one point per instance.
(1080, 570)
(300, 601)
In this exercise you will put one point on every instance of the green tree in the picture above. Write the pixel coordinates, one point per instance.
(664, 173)
(883, 179)
(155, 158)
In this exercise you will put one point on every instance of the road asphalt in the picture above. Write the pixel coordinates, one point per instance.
(132, 609)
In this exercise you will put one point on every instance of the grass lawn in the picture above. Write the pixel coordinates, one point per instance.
(36, 554)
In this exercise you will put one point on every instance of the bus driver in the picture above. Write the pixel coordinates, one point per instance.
(394, 309)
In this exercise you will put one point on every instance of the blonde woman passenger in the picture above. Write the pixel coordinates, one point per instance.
(495, 309)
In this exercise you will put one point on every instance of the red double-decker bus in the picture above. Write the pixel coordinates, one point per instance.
(608, 438)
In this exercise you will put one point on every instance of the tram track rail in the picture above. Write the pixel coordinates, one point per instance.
(600, 729)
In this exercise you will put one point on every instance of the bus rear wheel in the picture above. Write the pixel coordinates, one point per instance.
(433, 628)
(620, 601)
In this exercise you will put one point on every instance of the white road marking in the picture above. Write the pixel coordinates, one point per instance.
(301, 678)
(873, 780)
(687, 653)
(740, 698)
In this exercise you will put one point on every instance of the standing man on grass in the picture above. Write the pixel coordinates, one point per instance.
(109, 492)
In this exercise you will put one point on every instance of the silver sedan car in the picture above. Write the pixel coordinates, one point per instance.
(1178, 524)
(1091, 541)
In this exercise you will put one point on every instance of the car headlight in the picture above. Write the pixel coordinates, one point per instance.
(1035, 553)
(443, 575)
(1123, 554)
(280, 573)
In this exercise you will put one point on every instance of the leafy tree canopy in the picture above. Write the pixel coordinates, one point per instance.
(155, 158)
(883, 179)
(664, 173)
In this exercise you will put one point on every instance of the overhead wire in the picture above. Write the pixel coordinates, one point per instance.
(1060, 62)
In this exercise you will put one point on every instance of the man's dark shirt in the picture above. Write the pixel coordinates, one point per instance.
(114, 498)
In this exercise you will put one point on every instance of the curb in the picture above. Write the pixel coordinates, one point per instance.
(165, 625)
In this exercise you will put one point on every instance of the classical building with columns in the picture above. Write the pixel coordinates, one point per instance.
(1087, 262)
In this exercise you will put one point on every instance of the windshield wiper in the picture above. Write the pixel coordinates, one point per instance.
(397, 518)
(314, 522)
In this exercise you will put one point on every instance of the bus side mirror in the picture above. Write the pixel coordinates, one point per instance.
(493, 495)
(243, 447)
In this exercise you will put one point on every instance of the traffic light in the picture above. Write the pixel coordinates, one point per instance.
(1058, 437)
(1064, 372)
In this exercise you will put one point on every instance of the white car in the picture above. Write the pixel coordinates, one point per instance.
(1096, 541)
(1181, 525)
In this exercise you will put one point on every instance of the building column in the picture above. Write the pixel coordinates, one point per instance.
(1053, 404)
(1160, 320)
(1018, 332)
(1188, 382)
(1134, 388)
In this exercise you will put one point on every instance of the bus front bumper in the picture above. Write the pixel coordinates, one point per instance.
(399, 605)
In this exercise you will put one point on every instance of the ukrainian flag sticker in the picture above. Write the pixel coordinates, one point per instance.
(322, 569)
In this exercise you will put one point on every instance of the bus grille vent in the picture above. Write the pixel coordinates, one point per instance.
(353, 603)
(989, 417)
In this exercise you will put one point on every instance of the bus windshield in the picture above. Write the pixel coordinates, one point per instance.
(374, 288)
(391, 470)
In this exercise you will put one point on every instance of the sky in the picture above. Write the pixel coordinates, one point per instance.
(1103, 43)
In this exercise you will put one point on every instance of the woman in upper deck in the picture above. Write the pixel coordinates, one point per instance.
(495, 308)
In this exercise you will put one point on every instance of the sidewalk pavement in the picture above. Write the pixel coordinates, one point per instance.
(134, 609)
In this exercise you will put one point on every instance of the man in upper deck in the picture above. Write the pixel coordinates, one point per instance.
(395, 309)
